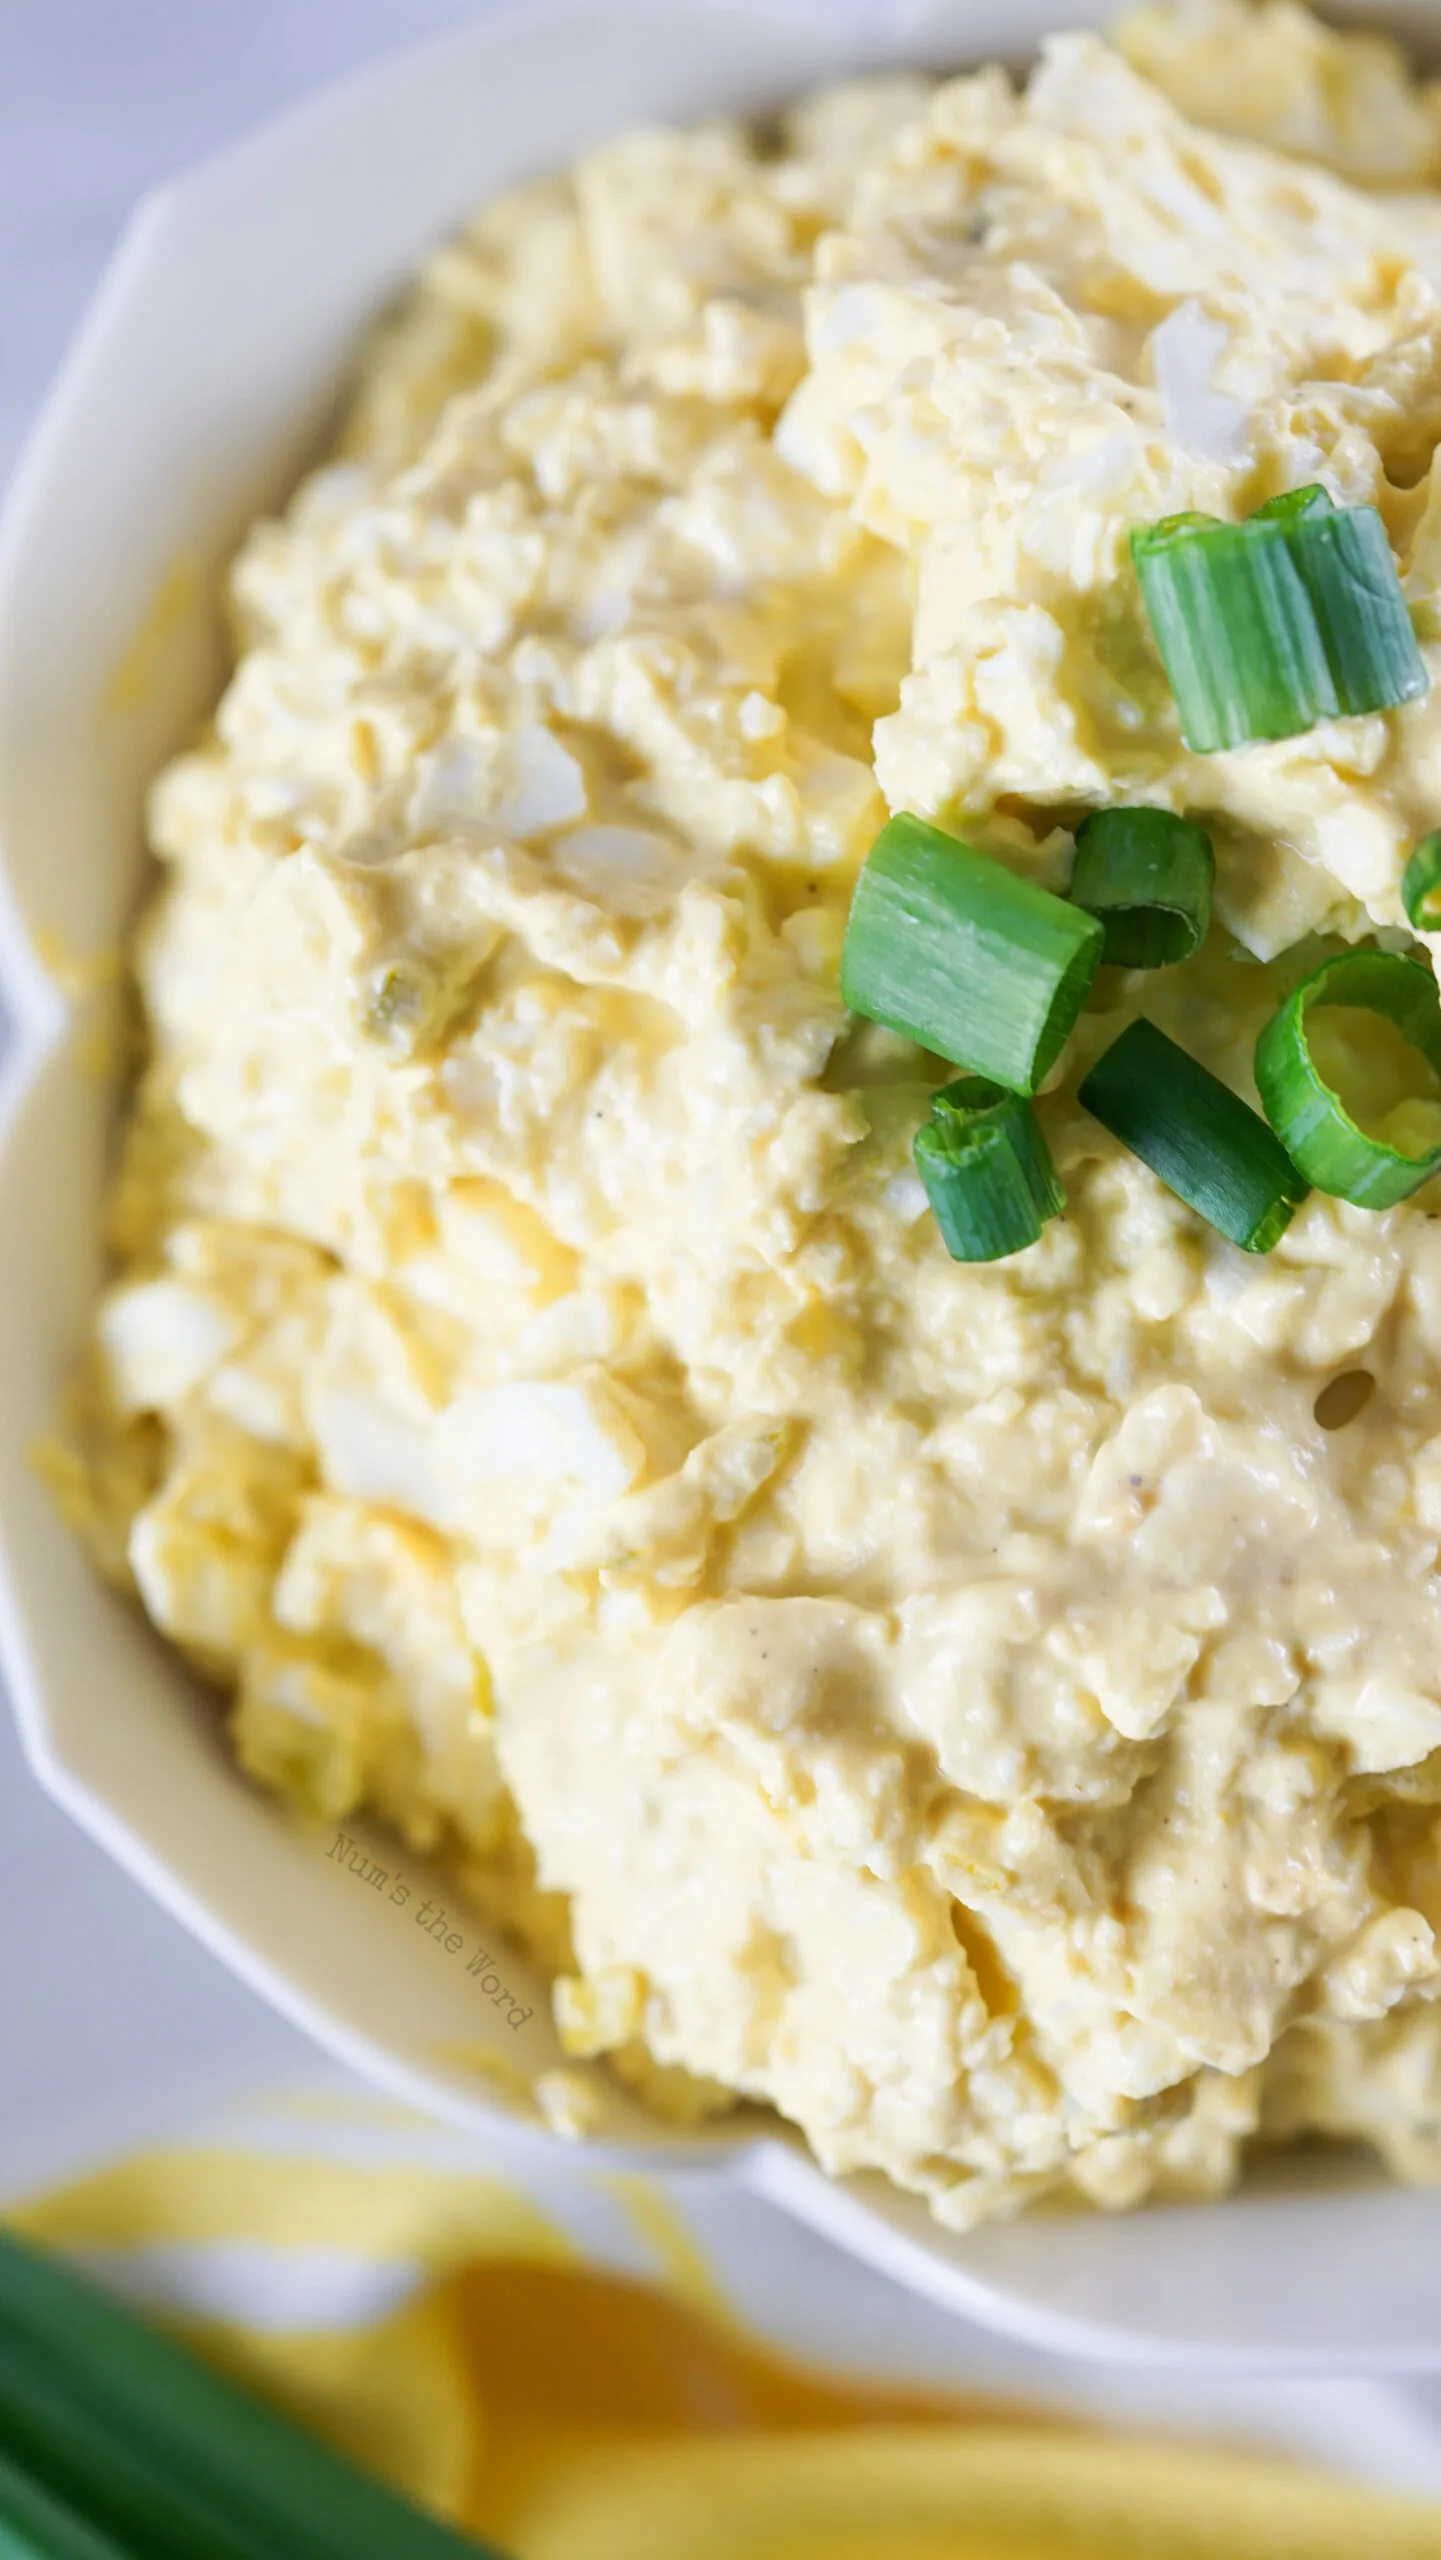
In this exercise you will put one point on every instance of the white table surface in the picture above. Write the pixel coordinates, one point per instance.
(114, 2027)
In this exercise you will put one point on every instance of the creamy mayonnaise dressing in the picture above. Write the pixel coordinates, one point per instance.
(983, 1711)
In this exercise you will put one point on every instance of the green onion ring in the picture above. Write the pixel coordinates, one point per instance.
(962, 956)
(1266, 627)
(1313, 500)
(1311, 1121)
(1146, 876)
(987, 1170)
(1197, 1136)
(1421, 886)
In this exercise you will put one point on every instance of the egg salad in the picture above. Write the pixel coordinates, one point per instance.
(974, 1688)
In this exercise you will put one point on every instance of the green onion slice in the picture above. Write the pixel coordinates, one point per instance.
(1421, 886)
(1147, 878)
(1197, 1136)
(987, 1170)
(954, 951)
(1266, 627)
(1313, 500)
(1309, 1117)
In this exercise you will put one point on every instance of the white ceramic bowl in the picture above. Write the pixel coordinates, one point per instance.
(198, 389)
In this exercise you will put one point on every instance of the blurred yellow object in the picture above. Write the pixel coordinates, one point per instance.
(574, 2414)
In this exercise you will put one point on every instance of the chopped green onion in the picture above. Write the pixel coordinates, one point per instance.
(987, 1170)
(1146, 876)
(1310, 1118)
(1266, 627)
(1313, 500)
(954, 951)
(1197, 1136)
(1421, 886)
